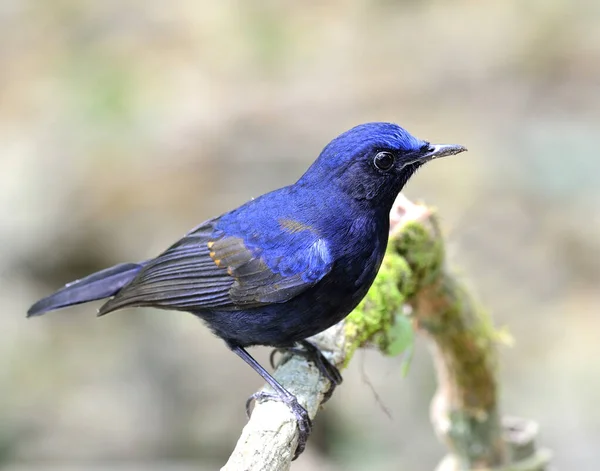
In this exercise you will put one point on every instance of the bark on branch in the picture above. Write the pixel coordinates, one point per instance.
(465, 412)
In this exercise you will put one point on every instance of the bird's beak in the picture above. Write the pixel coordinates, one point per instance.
(436, 151)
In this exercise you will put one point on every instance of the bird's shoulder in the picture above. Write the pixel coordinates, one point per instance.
(282, 230)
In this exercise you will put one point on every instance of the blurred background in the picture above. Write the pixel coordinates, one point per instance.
(125, 123)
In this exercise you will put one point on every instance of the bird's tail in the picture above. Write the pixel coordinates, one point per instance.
(99, 285)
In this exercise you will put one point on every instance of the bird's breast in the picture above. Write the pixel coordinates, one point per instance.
(360, 251)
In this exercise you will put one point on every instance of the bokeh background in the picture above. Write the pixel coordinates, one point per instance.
(125, 123)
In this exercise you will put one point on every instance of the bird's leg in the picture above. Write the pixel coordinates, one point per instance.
(313, 354)
(282, 394)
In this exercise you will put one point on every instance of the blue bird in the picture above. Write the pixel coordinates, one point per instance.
(284, 266)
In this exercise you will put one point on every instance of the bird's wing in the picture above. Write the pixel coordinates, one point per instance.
(210, 269)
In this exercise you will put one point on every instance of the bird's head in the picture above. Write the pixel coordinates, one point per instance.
(373, 161)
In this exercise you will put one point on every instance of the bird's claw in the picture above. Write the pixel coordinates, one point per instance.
(325, 367)
(249, 402)
(284, 352)
(304, 425)
(300, 414)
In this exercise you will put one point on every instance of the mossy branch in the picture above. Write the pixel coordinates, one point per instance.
(465, 412)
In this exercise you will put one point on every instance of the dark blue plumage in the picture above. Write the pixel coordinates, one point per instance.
(283, 266)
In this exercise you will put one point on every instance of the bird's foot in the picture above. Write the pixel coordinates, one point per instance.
(299, 412)
(325, 367)
(313, 354)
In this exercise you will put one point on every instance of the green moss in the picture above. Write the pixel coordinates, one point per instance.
(378, 319)
(422, 249)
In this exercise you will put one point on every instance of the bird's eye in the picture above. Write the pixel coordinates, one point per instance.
(384, 161)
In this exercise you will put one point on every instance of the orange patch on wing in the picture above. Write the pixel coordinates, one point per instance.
(216, 260)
